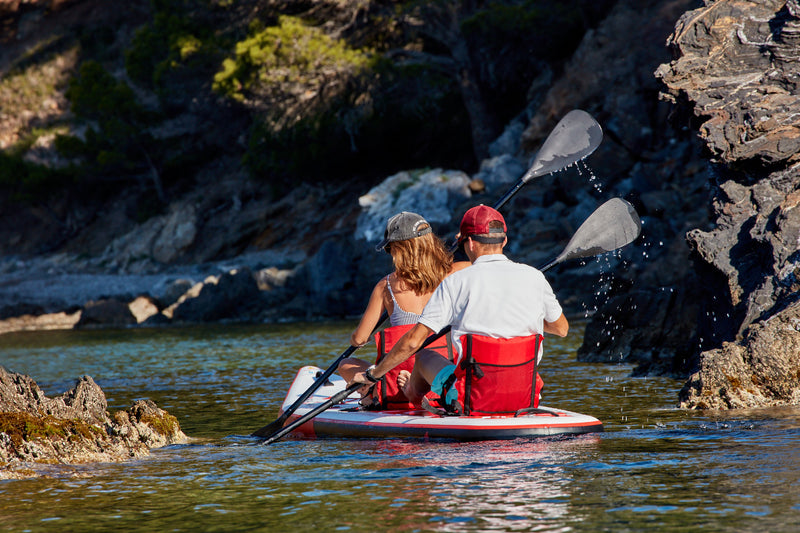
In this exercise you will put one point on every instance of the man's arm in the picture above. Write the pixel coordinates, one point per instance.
(560, 327)
(405, 347)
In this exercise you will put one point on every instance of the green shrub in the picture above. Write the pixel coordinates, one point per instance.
(289, 53)
(97, 95)
(28, 182)
(171, 41)
(115, 141)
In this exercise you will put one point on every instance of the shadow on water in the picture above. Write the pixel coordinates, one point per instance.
(654, 468)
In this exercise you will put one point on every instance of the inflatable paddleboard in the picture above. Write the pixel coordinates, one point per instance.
(348, 419)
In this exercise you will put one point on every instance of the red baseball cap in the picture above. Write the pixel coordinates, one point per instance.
(476, 221)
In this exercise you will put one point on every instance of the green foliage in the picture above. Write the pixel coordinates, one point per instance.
(95, 94)
(408, 118)
(316, 95)
(171, 41)
(115, 142)
(28, 182)
(290, 52)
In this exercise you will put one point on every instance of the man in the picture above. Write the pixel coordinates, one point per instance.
(494, 297)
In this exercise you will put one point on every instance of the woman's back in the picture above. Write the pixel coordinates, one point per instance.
(402, 303)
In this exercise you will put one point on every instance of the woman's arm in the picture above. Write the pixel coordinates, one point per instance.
(371, 315)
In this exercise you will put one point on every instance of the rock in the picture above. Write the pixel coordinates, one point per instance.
(234, 295)
(174, 290)
(74, 427)
(162, 239)
(62, 320)
(272, 277)
(633, 327)
(499, 173)
(745, 96)
(104, 313)
(178, 233)
(760, 371)
(143, 308)
(432, 194)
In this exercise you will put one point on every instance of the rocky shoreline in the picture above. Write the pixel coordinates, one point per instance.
(37, 432)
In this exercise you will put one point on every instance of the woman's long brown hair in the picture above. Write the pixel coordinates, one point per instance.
(422, 262)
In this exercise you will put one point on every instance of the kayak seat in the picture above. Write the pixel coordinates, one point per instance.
(387, 395)
(498, 376)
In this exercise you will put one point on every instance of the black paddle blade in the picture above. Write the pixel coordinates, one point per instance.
(613, 225)
(269, 429)
(575, 137)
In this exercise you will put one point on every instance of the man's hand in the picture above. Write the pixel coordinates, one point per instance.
(360, 377)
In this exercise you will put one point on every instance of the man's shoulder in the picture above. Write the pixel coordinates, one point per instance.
(503, 262)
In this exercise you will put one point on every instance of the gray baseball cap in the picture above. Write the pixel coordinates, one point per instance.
(404, 226)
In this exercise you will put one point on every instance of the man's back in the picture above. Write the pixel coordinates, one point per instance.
(494, 297)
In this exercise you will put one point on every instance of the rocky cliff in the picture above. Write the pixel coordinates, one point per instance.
(737, 67)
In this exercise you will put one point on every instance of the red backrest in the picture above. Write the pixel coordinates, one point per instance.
(389, 394)
(498, 376)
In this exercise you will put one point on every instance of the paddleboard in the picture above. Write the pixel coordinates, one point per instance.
(348, 419)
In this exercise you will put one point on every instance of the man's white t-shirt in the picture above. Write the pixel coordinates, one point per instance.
(495, 297)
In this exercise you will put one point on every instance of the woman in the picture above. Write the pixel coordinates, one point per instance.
(421, 262)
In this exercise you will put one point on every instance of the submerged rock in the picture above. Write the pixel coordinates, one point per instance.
(74, 427)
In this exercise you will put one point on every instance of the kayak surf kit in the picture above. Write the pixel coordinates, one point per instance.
(320, 404)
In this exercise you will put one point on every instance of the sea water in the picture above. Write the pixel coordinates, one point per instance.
(655, 468)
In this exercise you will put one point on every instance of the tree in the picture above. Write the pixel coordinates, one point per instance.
(440, 21)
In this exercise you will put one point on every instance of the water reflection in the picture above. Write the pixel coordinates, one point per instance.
(493, 485)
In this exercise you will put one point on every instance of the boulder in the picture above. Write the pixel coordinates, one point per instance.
(759, 371)
(745, 96)
(232, 296)
(143, 308)
(74, 427)
(748, 262)
(106, 313)
(432, 194)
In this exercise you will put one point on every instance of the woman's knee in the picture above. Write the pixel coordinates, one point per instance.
(350, 366)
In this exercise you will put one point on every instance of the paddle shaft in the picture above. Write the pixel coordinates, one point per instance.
(337, 398)
(270, 429)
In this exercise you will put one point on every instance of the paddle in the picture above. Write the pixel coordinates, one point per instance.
(575, 136)
(336, 398)
(277, 424)
(611, 226)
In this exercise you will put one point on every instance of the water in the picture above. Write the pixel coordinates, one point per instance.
(655, 468)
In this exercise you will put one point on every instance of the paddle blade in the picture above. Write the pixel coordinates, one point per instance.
(613, 225)
(576, 136)
(270, 428)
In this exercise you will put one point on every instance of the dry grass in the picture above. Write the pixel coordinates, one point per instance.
(32, 99)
